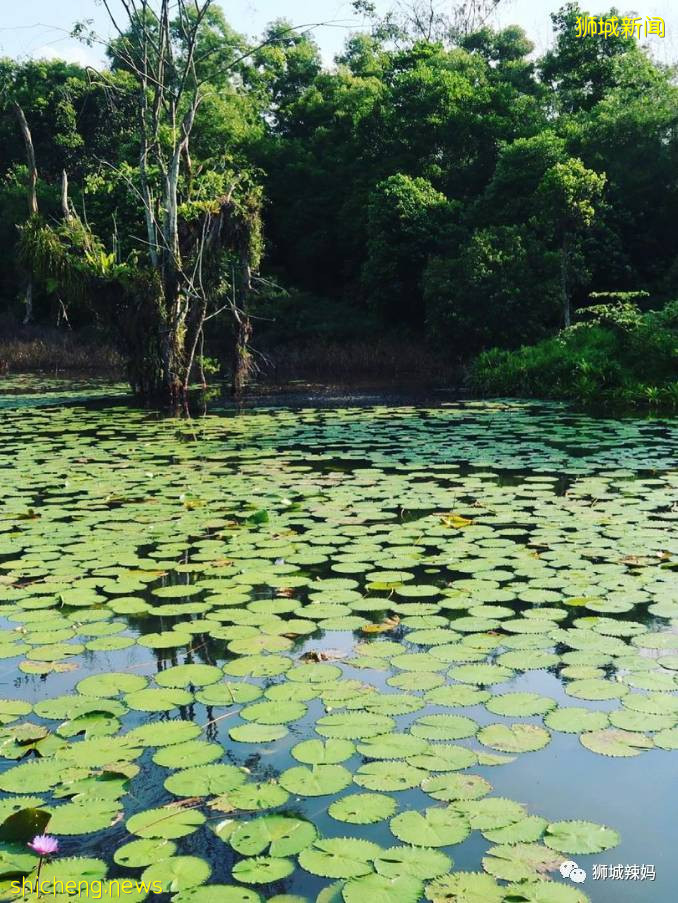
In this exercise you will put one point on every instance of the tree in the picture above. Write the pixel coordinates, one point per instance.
(632, 135)
(500, 287)
(510, 196)
(60, 113)
(283, 67)
(580, 70)
(161, 53)
(32, 195)
(570, 193)
(408, 221)
(202, 225)
(432, 21)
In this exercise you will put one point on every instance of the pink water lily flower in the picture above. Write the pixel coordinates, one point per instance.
(44, 845)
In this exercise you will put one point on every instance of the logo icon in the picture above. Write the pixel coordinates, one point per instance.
(570, 869)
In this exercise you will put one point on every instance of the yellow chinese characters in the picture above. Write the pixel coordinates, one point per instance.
(626, 26)
(654, 25)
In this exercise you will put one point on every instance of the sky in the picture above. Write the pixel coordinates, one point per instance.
(40, 28)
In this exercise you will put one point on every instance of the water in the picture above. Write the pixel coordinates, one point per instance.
(475, 514)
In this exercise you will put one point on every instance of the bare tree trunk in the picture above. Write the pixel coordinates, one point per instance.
(242, 359)
(30, 159)
(171, 357)
(196, 338)
(28, 301)
(32, 197)
(564, 294)
(201, 360)
(65, 208)
(158, 45)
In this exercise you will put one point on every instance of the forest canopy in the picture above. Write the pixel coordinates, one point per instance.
(449, 185)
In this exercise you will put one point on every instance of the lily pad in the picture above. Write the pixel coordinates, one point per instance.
(514, 738)
(575, 720)
(516, 704)
(262, 870)
(521, 861)
(465, 887)
(382, 889)
(317, 752)
(319, 780)
(363, 808)
(168, 822)
(432, 828)
(278, 835)
(177, 873)
(339, 857)
(580, 837)
(616, 742)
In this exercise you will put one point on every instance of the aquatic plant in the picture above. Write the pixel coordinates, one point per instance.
(202, 703)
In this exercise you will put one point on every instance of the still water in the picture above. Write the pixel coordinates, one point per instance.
(469, 608)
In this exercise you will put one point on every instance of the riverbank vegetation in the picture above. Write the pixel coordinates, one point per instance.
(617, 355)
(206, 196)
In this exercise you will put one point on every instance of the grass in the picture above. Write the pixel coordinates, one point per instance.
(37, 348)
(382, 360)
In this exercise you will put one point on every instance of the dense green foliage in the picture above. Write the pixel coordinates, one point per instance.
(449, 187)
(619, 355)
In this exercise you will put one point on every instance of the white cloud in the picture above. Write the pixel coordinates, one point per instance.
(70, 52)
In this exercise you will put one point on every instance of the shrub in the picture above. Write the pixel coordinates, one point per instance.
(619, 355)
(501, 287)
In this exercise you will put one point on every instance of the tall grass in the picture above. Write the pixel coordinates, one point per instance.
(54, 351)
(381, 360)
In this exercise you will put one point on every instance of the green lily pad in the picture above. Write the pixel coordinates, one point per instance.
(177, 873)
(204, 780)
(389, 776)
(138, 853)
(191, 753)
(353, 725)
(416, 861)
(514, 738)
(526, 830)
(596, 689)
(382, 889)
(444, 727)
(490, 812)
(516, 704)
(111, 684)
(251, 797)
(520, 861)
(616, 742)
(278, 835)
(158, 699)
(451, 787)
(392, 746)
(317, 752)
(363, 808)
(575, 720)
(217, 893)
(339, 857)
(316, 781)
(433, 828)
(262, 870)
(580, 837)
(465, 887)
(168, 822)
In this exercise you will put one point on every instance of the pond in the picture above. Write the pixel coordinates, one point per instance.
(380, 651)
